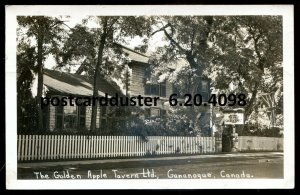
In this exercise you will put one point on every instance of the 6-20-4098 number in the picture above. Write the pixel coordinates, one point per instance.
(220, 100)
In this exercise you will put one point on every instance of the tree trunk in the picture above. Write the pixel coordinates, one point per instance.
(126, 82)
(250, 104)
(40, 79)
(97, 74)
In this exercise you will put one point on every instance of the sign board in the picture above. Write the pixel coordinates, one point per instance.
(234, 118)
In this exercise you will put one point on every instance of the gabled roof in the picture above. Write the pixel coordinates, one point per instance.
(134, 55)
(74, 84)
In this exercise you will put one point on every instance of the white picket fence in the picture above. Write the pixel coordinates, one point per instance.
(51, 147)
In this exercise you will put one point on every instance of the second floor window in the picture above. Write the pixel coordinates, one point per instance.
(205, 90)
(201, 88)
(156, 89)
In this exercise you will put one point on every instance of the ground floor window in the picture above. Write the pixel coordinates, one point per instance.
(59, 117)
(70, 117)
(155, 113)
(81, 117)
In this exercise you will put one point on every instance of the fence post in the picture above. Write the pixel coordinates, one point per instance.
(22, 150)
(19, 147)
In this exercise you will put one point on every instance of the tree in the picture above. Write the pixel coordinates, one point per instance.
(247, 54)
(45, 34)
(188, 38)
(184, 59)
(25, 74)
(99, 50)
(236, 52)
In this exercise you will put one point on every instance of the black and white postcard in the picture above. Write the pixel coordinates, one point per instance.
(149, 97)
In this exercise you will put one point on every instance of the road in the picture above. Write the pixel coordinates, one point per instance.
(224, 166)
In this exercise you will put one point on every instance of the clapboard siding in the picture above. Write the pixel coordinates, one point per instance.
(52, 117)
(137, 81)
